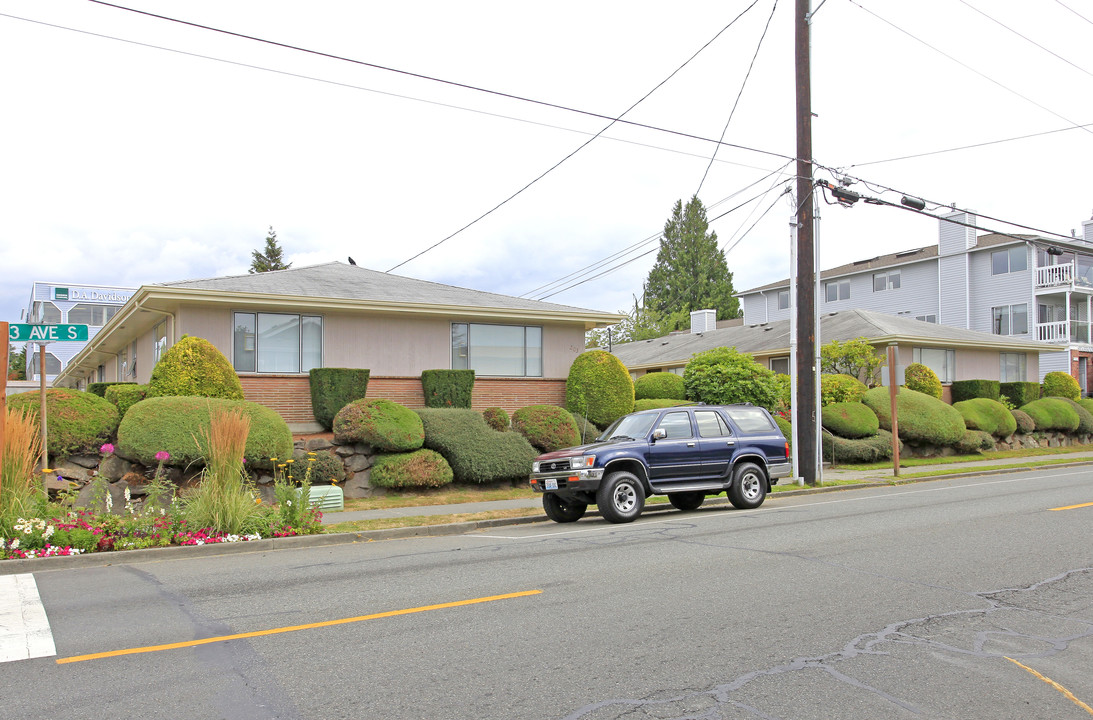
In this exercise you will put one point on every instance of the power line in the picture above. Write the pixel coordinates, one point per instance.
(1083, 17)
(1025, 37)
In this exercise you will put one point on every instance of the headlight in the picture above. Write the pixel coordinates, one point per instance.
(582, 462)
(535, 466)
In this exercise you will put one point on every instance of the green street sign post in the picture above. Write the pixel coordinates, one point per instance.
(19, 332)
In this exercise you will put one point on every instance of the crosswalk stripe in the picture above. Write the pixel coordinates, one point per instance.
(24, 627)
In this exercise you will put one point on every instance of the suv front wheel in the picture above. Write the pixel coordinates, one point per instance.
(620, 497)
(562, 511)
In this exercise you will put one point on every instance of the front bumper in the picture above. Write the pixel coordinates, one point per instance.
(584, 479)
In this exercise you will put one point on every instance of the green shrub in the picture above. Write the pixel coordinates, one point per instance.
(840, 389)
(77, 422)
(785, 394)
(382, 424)
(447, 388)
(599, 387)
(125, 396)
(496, 418)
(723, 376)
(970, 389)
(786, 428)
(922, 419)
(546, 427)
(588, 430)
(418, 469)
(975, 441)
(323, 467)
(476, 453)
(174, 424)
(650, 404)
(193, 366)
(1061, 384)
(1085, 418)
(1052, 413)
(659, 386)
(850, 419)
(863, 450)
(987, 415)
(922, 379)
(100, 388)
(1025, 423)
(1020, 393)
(1087, 403)
(334, 388)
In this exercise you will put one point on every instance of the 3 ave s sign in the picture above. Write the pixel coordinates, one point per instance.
(46, 333)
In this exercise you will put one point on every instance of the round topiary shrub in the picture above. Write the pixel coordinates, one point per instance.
(987, 415)
(1025, 423)
(322, 467)
(923, 419)
(650, 404)
(974, 441)
(176, 424)
(1087, 403)
(922, 379)
(588, 430)
(599, 387)
(1052, 413)
(418, 469)
(1061, 384)
(382, 424)
(496, 418)
(1085, 418)
(193, 366)
(861, 450)
(840, 389)
(722, 376)
(77, 422)
(546, 427)
(659, 386)
(850, 419)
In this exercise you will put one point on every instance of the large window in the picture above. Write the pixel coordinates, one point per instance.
(1012, 259)
(45, 312)
(505, 350)
(839, 290)
(940, 360)
(886, 281)
(1012, 367)
(277, 342)
(92, 314)
(53, 365)
(1009, 319)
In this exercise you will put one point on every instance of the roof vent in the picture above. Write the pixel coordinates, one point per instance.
(905, 253)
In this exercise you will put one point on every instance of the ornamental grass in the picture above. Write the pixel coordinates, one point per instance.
(20, 486)
(224, 501)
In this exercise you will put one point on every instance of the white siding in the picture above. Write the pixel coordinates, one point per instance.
(1052, 362)
(953, 290)
(987, 290)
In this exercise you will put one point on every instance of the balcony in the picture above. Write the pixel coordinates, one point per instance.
(1057, 332)
(1068, 275)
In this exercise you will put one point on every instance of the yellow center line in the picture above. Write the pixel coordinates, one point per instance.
(1055, 685)
(1072, 507)
(293, 628)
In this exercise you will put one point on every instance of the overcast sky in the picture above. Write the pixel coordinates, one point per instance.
(125, 164)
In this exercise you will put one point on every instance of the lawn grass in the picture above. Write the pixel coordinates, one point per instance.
(425, 520)
(439, 496)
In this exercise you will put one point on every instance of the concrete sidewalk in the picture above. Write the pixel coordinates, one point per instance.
(829, 475)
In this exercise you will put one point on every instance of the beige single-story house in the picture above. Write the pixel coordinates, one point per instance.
(952, 353)
(276, 326)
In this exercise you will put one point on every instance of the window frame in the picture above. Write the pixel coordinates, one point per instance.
(948, 374)
(1022, 366)
(257, 342)
(837, 286)
(466, 361)
(1007, 313)
(890, 280)
(783, 300)
(771, 361)
(1009, 254)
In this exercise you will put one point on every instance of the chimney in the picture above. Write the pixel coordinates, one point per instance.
(953, 239)
(703, 321)
(1087, 230)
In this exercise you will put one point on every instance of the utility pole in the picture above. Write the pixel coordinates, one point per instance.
(805, 401)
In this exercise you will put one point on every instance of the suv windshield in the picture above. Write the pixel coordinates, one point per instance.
(632, 426)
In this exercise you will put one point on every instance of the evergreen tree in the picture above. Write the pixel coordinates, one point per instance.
(17, 363)
(272, 257)
(690, 272)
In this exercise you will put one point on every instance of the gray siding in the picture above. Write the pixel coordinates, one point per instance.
(1054, 361)
(987, 290)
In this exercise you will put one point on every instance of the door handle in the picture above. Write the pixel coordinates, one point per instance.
(730, 443)
(690, 444)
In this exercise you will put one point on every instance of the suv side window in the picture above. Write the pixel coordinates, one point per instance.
(710, 424)
(750, 419)
(677, 425)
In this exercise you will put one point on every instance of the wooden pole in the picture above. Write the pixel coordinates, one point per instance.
(893, 394)
(42, 410)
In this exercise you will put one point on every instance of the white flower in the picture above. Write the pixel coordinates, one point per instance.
(48, 532)
(109, 501)
(14, 544)
(126, 494)
(289, 502)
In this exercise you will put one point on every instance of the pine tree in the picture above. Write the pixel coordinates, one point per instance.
(271, 259)
(690, 272)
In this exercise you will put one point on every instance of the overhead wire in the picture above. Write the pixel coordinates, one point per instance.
(1083, 17)
(1025, 37)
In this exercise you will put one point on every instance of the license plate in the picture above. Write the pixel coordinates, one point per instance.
(551, 484)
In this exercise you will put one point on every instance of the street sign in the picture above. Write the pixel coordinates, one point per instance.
(18, 332)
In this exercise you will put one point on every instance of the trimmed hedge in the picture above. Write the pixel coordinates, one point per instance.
(1052, 413)
(850, 420)
(971, 389)
(659, 386)
(840, 389)
(125, 395)
(651, 404)
(987, 415)
(921, 378)
(418, 469)
(382, 424)
(863, 450)
(322, 468)
(1087, 403)
(476, 453)
(1085, 418)
(447, 388)
(722, 376)
(599, 387)
(1020, 393)
(588, 430)
(77, 422)
(1025, 423)
(193, 366)
(497, 418)
(975, 441)
(334, 388)
(922, 419)
(1061, 384)
(100, 388)
(546, 427)
(176, 423)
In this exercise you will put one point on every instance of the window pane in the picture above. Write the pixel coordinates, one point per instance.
(460, 361)
(780, 365)
(832, 292)
(243, 356)
(880, 282)
(783, 299)
(159, 341)
(1020, 319)
(708, 425)
(497, 349)
(534, 352)
(750, 419)
(278, 343)
(1000, 263)
(312, 330)
(1018, 259)
(1000, 320)
(893, 280)
(844, 290)
(53, 365)
(677, 425)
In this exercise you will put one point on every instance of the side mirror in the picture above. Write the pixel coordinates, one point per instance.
(659, 434)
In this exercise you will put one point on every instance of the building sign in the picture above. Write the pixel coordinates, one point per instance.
(60, 293)
(88, 294)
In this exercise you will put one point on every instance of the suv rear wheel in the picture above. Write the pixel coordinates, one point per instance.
(563, 511)
(749, 487)
(620, 497)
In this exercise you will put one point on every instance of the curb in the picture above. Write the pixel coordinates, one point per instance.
(130, 557)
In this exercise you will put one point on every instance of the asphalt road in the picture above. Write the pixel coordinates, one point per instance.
(900, 602)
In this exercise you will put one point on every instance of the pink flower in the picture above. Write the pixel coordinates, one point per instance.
(162, 455)
(106, 449)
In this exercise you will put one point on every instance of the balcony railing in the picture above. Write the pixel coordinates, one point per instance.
(1056, 332)
(1059, 275)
